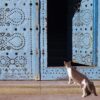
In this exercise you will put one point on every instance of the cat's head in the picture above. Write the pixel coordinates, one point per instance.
(67, 64)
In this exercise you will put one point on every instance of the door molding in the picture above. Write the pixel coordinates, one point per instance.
(50, 73)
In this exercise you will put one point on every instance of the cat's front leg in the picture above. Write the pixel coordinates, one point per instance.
(75, 83)
(69, 82)
(84, 89)
(84, 93)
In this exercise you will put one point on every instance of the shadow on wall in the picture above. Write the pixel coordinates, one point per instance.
(60, 14)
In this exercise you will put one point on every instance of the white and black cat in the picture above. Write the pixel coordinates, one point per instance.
(86, 85)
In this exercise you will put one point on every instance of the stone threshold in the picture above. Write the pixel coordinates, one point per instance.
(41, 87)
(40, 83)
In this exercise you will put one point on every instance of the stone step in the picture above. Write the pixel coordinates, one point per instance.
(41, 87)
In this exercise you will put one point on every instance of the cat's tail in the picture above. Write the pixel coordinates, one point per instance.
(88, 91)
(93, 89)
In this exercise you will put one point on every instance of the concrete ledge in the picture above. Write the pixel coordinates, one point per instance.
(41, 87)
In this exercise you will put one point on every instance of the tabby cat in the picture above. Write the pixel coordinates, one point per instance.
(86, 85)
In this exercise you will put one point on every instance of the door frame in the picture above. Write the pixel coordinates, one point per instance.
(50, 73)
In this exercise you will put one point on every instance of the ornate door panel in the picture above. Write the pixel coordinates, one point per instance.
(84, 35)
(18, 39)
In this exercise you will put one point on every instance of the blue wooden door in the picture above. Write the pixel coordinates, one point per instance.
(84, 38)
(84, 34)
(18, 39)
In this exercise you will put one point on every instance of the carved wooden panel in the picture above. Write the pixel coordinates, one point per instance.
(18, 23)
(83, 34)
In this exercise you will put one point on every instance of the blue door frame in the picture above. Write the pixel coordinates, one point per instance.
(56, 73)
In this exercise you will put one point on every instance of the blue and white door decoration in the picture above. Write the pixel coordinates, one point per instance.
(23, 40)
(18, 39)
(84, 51)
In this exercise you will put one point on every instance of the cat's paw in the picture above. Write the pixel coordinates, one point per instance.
(69, 83)
(75, 83)
(84, 96)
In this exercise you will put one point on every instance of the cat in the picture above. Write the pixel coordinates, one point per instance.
(86, 85)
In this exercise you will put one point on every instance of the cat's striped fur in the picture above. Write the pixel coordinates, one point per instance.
(86, 85)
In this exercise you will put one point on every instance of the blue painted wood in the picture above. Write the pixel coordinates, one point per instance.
(19, 56)
(50, 73)
(83, 34)
(98, 37)
(95, 31)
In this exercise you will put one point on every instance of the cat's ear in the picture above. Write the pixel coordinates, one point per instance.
(69, 63)
(74, 61)
(65, 62)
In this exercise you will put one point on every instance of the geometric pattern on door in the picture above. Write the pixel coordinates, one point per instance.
(18, 39)
(83, 34)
